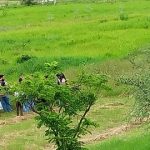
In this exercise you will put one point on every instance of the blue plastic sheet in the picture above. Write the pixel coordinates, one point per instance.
(5, 104)
(1, 107)
(27, 106)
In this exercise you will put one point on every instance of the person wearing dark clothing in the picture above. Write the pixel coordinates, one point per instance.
(19, 108)
(3, 83)
(20, 79)
(4, 98)
(61, 80)
(1, 76)
(26, 106)
(19, 105)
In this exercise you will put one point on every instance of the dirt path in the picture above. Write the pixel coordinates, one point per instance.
(108, 133)
(16, 119)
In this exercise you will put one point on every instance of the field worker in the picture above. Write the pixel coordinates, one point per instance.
(61, 79)
(4, 98)
(28, 104)
(19, 106)
(1, 107)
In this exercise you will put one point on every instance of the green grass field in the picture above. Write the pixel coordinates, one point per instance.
(75, 31)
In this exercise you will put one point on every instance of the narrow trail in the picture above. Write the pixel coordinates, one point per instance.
(108, 133)
(16, 119)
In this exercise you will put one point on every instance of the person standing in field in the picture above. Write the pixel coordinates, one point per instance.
(1, 107)
(61, 79)
(19, 105)
(27, 105)
(3, 93)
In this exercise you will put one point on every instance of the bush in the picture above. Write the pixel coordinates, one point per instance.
(23, 58)
(58, 105)
(27, 2)
(141, 85)
(123, 16)
(140, 82)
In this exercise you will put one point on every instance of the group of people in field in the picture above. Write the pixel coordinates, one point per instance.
(5, 104)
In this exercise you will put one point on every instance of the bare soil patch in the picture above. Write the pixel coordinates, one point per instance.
(111, 105)
(108, 133)
(16, 119)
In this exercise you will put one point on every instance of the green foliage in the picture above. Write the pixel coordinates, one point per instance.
(141, 84)
(23, 58)
(51, 67)
(3, 90)
(3, 61)
(123, 16)
(140, 59)
(57, 106)
(140, 81)
(36, 64)
(3, 11)
(27, 2)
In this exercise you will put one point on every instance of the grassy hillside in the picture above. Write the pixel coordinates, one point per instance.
(73, 30)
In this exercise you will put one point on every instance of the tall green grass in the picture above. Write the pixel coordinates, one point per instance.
(36, 64)
(79, 30)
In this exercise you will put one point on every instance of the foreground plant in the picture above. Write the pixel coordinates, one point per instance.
(62, 109)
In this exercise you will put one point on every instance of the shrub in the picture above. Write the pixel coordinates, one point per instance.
(27, 2)
(141, 85)
(57, 106)
(123, 16)
(140, 82)
(23, 58)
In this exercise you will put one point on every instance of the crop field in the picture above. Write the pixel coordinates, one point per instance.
(80, 32)
(98, 36)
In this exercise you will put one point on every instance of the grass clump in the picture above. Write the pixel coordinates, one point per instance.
(23, 58)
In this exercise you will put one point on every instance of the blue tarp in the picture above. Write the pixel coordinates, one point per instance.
(1, 108)
(5, 104)
(27, 106)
